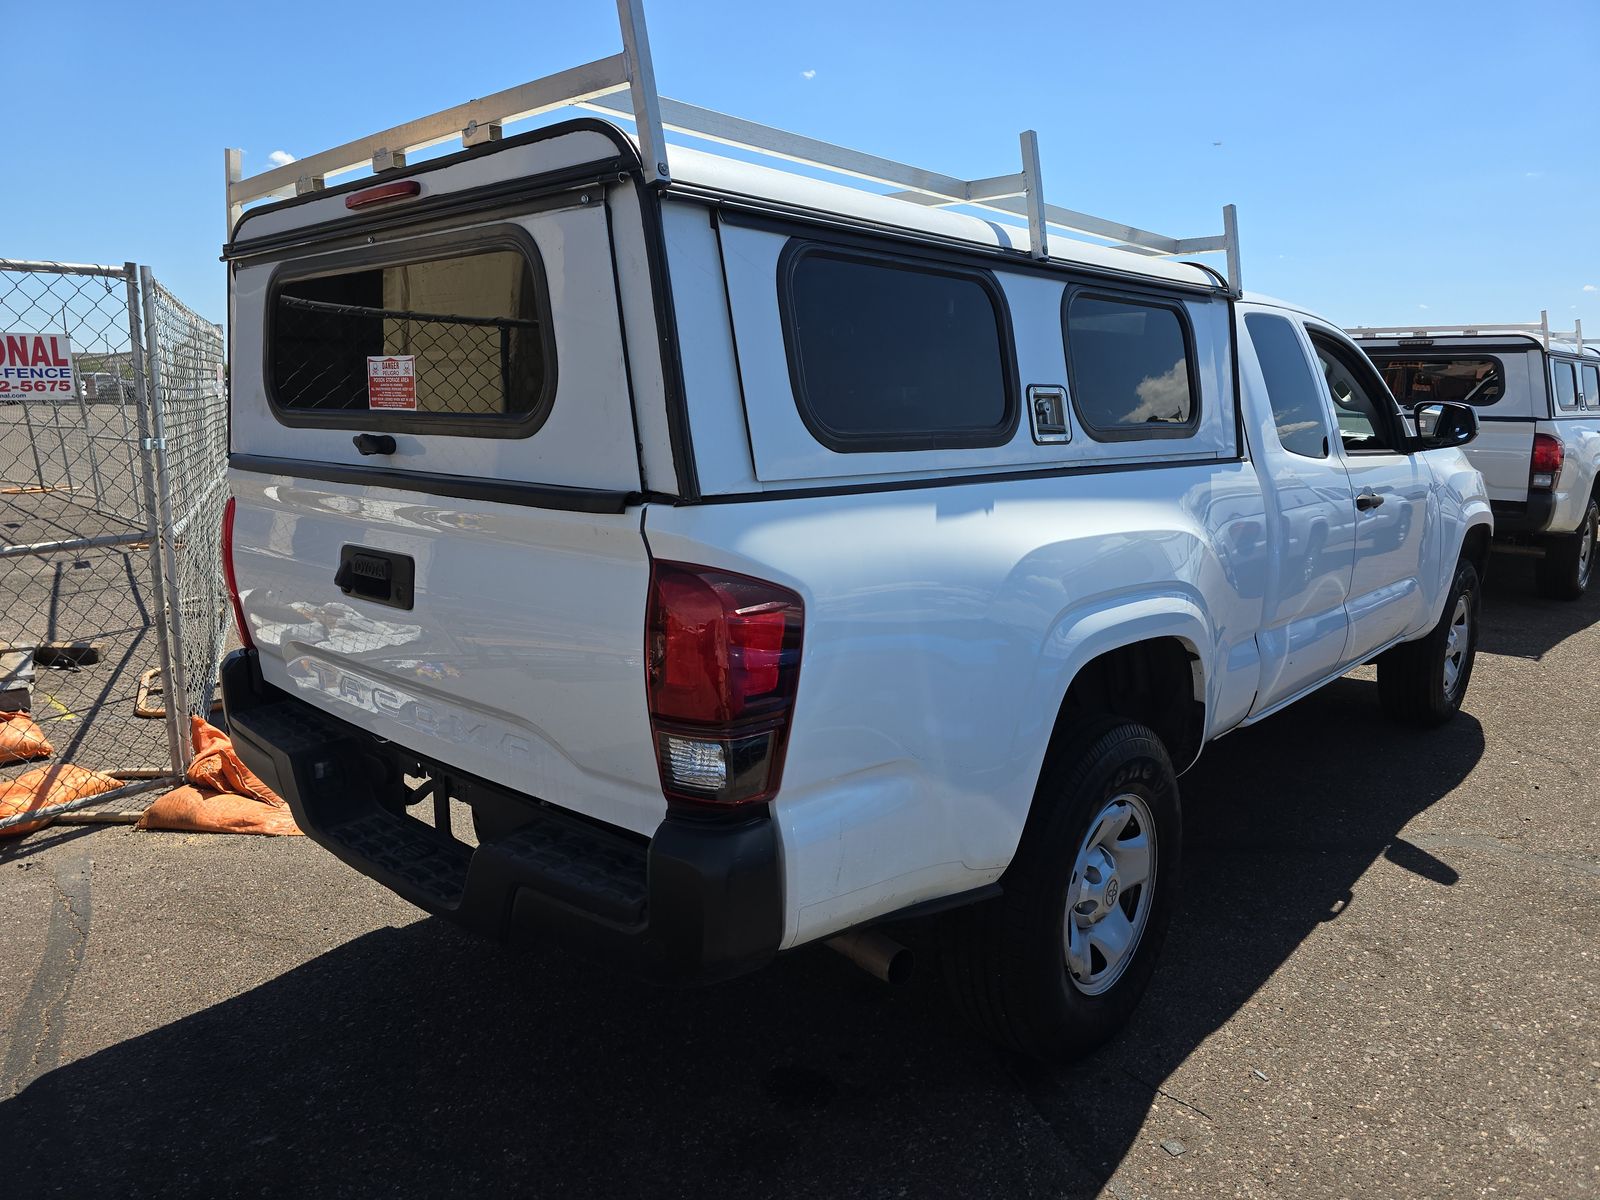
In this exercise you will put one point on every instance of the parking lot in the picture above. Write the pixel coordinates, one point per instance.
(1384, 980)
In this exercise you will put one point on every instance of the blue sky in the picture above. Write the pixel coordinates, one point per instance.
(1391, 163)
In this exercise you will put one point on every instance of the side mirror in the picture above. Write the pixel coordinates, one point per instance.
(1443, 423)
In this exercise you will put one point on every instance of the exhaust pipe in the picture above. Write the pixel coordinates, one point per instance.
(879, 956)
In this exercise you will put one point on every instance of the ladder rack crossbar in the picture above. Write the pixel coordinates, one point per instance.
(1539, 329)
(624, 85)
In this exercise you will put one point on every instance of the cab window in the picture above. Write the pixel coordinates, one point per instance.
(1297, 409)
(1361, 406)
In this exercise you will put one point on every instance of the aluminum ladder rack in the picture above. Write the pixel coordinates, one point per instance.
(1540, 329)
(599, 86)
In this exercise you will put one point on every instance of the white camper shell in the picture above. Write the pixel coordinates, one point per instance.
(1537, 396)
(761, 558)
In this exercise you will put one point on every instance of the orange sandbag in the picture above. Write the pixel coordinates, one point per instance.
(47, 786)
(216, 767)
(21, 739)
(189, 809)
(222, 794)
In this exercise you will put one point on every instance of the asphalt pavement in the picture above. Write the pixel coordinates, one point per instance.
(1383, 980)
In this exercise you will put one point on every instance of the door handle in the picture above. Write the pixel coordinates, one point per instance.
(374, 443)
(1368, 500)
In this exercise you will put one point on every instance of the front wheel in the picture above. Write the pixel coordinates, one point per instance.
(1056, 964)
(1568, 560)
(1424, 682)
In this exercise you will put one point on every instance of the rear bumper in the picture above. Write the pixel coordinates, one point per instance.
(1533, 515)
(701, 900)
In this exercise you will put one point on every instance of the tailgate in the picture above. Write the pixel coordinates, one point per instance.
(1502, 453)
(519, 659)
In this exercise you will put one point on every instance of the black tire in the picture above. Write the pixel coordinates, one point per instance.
(1568, 563)
(1005, 960)
(1412, 681)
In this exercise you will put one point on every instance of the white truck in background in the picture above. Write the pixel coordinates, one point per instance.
(762, 559)
(1537, 396)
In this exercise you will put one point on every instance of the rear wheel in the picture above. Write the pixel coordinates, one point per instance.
(1568, 560)
(1424, 682)
(1056, 964)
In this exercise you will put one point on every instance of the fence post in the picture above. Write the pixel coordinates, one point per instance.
(145, 407)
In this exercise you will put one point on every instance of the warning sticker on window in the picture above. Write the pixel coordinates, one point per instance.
(392, 382)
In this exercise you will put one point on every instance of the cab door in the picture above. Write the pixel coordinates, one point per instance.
(1391, 495)
(1311, 520)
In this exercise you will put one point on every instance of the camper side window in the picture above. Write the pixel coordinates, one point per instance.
(1566, 389)
(459, 338)
(1591, 387)
(1130, 365)
(890, 354)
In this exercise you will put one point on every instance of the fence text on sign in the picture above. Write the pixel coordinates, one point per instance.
(112, 478)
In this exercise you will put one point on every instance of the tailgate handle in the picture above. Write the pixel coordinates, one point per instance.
(374, 443)
(376, 575)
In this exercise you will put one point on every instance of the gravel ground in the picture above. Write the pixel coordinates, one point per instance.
(1384, 980)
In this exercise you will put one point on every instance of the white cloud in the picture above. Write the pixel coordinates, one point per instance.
(1163, 397)
(1533, 174)
(280, 158)
(1422, 306)
(1589, 287)
(808, 74)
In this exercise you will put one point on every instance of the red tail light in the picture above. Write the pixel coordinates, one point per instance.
(1548, 455)
(229, 577)
(722, 660)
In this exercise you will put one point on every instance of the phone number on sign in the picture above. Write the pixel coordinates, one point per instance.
(36, 385)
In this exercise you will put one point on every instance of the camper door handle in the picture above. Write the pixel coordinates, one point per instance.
(374, 443)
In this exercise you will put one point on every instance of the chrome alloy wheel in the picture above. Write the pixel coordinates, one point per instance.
(1111, 893)
(1457, 641)
(1585, 552)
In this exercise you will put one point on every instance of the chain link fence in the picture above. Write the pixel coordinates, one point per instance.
(188, 377)
(112, 482)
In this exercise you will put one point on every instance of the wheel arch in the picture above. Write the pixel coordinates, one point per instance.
(1475, 547)
(1148, 660)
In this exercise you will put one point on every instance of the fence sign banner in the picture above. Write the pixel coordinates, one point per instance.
(35, 362)
(392, 382)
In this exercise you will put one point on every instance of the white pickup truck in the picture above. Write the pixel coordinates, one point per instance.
(763, 559)
(1537, 394)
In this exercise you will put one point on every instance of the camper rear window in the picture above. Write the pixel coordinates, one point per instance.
(886, 354)
(455, 343)
(1464, 380)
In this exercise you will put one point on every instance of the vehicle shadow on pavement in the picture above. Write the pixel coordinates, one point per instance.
(416, 1060)
(1520, 623)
